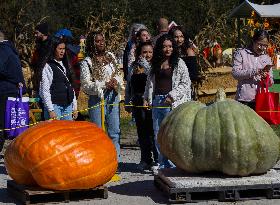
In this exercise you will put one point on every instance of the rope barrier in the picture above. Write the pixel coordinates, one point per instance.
(102, 104)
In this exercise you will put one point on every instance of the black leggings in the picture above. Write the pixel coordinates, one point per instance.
(3, 99)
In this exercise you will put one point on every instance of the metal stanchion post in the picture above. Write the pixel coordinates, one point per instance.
(102, 107)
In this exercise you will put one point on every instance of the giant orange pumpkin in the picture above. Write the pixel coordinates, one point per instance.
(62, 155)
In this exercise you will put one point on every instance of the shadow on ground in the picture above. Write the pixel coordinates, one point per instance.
(144, 188)
(5, 198)
(2, 168)
(131, 168)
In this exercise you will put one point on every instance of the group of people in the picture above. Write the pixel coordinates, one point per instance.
(158, 71)
(155, 70)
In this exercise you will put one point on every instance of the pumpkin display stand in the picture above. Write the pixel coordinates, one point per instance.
(39, 195)
(59, 161)
(225, 151)
(182, 187)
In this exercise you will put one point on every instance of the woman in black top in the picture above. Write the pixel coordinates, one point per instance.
(186, 52)
(143, 116)
(168, 85)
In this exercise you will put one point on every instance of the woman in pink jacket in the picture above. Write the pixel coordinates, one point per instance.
(250, 66)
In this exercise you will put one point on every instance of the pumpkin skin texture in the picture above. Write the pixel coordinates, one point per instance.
(62, 155)
(226, 136)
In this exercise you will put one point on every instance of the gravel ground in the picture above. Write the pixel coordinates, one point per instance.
(134, 188)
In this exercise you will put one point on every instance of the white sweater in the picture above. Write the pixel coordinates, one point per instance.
(181, 85)
(97, 87)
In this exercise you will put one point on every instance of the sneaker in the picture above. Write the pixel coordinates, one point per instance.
(155, 168)
(142, 166)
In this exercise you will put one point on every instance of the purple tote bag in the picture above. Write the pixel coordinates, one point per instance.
(16, 115)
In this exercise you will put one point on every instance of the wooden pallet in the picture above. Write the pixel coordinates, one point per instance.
(178, 190)
(38, 195)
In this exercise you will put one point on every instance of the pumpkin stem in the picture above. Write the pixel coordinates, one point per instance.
(220, 95)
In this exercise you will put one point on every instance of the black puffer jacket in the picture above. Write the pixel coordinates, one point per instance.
(10, 69)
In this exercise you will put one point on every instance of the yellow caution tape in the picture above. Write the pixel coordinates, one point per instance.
(89, 108)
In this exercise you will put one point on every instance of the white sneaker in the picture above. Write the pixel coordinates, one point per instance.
(155, 168)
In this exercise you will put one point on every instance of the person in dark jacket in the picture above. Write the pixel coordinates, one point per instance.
(131, 40)
(143, 117)
(40, 54)
(11, 77)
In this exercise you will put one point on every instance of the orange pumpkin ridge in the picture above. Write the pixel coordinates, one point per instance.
(62, 155)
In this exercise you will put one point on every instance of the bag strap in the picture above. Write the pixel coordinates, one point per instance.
(20, 91)
(19, 94)
(62, 70)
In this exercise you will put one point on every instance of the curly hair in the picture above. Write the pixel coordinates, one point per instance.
(158, 56)
(90, 43)
(98, 68)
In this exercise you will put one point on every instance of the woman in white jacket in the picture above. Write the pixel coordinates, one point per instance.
(168, 85)
(101, 78)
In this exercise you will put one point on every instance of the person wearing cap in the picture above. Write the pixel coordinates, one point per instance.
(41, 52)
(41, 32)
(64, 32)
(39, 57)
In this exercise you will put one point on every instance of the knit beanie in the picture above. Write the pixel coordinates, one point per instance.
(43, 28)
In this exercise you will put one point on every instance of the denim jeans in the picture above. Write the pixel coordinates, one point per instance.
(60, 111)
(112, 116)
(158, 116)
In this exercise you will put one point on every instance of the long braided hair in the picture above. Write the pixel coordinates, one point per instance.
(98, 68)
